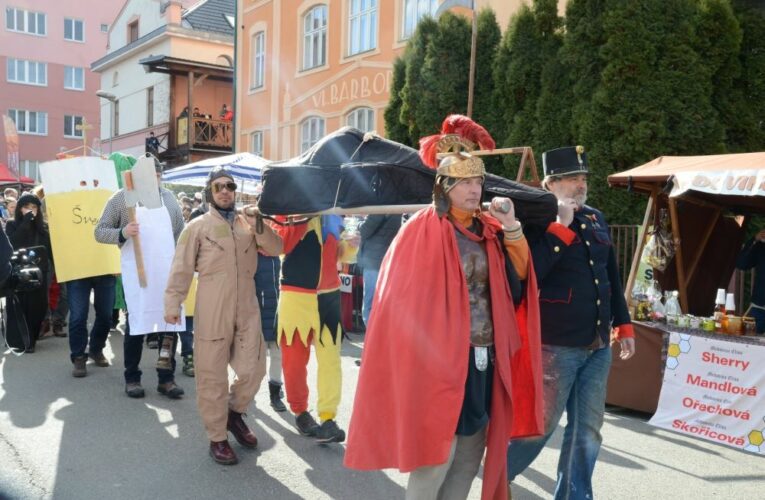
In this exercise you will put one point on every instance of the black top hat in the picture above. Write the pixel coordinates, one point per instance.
(565, 161)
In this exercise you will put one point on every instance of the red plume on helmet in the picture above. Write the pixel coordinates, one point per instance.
(468, 129)
(461, 126)
(429, 150)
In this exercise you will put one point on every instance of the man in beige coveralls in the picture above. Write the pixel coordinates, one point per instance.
(222, 247)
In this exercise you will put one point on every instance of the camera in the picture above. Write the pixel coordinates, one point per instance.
(26, 274)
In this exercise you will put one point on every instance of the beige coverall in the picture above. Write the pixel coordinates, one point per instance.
(227, 328)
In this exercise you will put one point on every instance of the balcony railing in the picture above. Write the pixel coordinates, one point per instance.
(207, 133)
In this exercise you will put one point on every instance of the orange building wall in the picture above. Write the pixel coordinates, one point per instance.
(289, 95)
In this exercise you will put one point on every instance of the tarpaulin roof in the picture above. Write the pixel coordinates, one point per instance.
(245, 167)
(736, 181)
(6, 177)
(348, 169)
(661, 168)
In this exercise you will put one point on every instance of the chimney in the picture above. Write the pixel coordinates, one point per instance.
(172, 11)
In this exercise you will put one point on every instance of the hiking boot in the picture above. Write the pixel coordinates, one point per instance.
(239, 429)
(98, 358)
(306, 425)
(275, 390)
(222, 452)
(58, 329)
(188, 365)
(329, 432)
(134, 390)
(79, 369)
(170, 390)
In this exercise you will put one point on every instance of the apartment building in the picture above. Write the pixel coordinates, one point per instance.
(308, 67)
(49, 92)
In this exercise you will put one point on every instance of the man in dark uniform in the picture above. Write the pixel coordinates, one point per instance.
(581, 300)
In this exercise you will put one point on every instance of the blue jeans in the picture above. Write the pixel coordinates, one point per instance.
(370, 283)
(575, 379)
(78, 292)
(133, 349)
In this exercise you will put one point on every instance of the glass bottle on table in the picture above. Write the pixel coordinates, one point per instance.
(730, 310)
(719, 309)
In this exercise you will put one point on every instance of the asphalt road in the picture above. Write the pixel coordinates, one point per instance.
(67, 438)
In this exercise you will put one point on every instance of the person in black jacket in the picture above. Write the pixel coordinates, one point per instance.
(27, 229)
(580, 302)
(753, 256)
(377, 232)
(267, 290)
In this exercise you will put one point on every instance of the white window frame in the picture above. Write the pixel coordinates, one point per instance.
(19, 71)
(70, 78)
(315, 37)
(362, 118)
(73, 22)
(71, 121)
(22, 24)
(30, 168)
(311, 130)
(256, 143)
(24, 126)
(362, 26)
(413, 12)
(258, 50)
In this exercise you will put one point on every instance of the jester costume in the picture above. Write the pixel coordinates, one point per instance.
(309, 313)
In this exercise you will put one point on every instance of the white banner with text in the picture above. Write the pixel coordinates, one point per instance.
(713, 390)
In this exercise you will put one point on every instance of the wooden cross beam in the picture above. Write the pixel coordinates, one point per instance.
(84, 127)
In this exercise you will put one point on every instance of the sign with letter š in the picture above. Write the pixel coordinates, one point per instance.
(713, 390)
(76, 191)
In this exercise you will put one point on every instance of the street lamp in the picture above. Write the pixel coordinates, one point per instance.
(111, 98)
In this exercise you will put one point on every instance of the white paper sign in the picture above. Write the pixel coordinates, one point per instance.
(346, 282)
(146, 305)
(713, 390)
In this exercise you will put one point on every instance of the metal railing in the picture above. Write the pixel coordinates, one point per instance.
(625, 240)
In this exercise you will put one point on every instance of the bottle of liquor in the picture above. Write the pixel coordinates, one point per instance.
(719, 309)
(730, 310)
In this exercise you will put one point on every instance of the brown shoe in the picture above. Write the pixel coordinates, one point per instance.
(79, 369)
(99, 359)
(239, 429)
(170, 390)
(58, 329)
(222, 453)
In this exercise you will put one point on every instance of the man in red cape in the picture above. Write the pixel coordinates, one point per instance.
(412, 383)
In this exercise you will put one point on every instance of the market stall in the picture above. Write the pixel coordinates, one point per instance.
(707, 201)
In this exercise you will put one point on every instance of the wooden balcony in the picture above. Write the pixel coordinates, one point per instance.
(207, 134)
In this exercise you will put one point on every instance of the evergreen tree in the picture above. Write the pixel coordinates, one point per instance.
(531, 41)
(414, 87)
(444, 73)
(581, 55)
(395, 130)
(487, 43)
(718, 43)
(748, 131)
(654, 97)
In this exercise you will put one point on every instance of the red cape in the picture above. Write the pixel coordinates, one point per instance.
(412, 380)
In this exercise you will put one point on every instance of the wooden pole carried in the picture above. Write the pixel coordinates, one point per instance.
(128, 181)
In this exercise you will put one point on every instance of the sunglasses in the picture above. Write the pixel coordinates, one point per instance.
(217, 188)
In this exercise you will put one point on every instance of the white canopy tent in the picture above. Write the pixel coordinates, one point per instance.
(246, 168)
